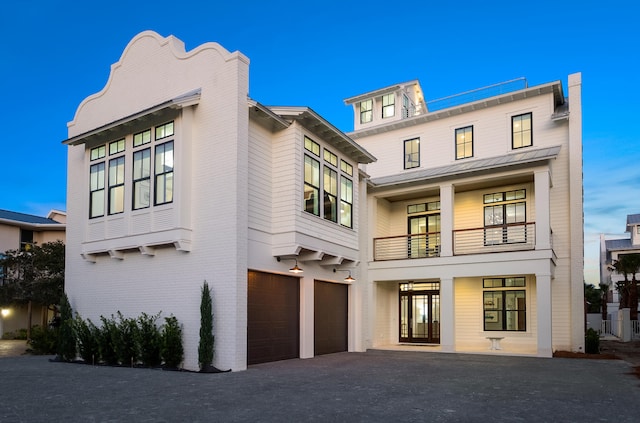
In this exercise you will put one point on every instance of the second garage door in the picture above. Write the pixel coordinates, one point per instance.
(330, 317)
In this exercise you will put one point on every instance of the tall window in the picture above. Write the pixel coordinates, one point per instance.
(464, 142)
(504, 304)
(330, 194)
(521, 131)
(388, 105)
(412, 153)
(116, 185)
(505, 218)
(164, 173)
(141, 179)
(96, 190)
(311, 185)
(366, 111)
(346, 202)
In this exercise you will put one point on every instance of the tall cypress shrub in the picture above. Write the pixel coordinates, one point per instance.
(205, 347)
(66, 339)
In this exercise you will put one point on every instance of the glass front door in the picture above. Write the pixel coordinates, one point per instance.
(420, 312)
(424, 240)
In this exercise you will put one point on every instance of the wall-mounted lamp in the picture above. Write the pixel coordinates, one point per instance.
(348, 278)
(5, 312)
(295, 268)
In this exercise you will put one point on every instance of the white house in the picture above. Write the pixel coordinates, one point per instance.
(175, 177)
(475, 218)
(610, 251)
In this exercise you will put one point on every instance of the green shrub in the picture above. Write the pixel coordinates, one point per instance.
(172, 351)
(125, 341)
(149, 340)
(108, 336)
(20, 334)
(88, 336)
(205, 346)
(592, 342)
(66, 348)
(43, 340)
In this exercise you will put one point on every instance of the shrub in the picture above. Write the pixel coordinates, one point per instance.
(108, 336)
(125, 341)
(43, 340)
(66, 347)
(20, 334)
(172, 351)
(149, 340)
(592, 342)
(88, 336)
(205, 346)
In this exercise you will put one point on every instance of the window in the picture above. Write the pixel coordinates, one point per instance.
(464, 142)
(116, 147)
(26, 240)
(164, 131)
(388, 105)
(116, 185)
(321, 176)
(330, 194)
(98, 152)
(141, 138)
(504, 307)
(412, 153)
(423, 207)
(164, 173)
(521, 131)
(366, 111)
(505, 223)
(141, 179)
(96, 190)
(346, 202)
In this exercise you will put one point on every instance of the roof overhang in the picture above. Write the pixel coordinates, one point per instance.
(325, 130)
(379, 92)
(113, 128)
(466, 168)
(34, 226)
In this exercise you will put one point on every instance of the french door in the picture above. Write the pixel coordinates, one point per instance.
(420, 312)
(424, 239)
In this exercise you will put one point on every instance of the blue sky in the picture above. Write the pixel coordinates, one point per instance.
(317, 53)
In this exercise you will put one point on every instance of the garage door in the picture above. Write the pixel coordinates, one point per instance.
(330, 317)
(273, 318)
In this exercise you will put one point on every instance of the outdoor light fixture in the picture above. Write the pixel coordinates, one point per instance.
(348, 278)
(295, 268)
(5, 312)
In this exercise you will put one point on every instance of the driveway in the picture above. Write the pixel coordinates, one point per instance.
(376, 386)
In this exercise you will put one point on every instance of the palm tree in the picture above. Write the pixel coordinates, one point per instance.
(628, 264)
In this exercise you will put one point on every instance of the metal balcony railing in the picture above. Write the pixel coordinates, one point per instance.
(407, 246)
(512, 237)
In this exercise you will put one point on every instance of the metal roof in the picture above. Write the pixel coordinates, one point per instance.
(468, 166)
(620, 244)
(633, 219)
(12, 217)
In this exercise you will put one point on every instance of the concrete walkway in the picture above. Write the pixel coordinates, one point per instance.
(12, 348)
(377, 386)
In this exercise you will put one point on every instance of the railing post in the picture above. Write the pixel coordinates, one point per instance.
(446, 220)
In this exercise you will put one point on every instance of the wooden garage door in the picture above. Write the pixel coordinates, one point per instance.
(330, 317)
(273, 320)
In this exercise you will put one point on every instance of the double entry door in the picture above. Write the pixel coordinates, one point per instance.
(420, 312)
(424, 236)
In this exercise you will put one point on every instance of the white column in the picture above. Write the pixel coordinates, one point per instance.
(446, 220)
(544, 306)
(447, 315)
(307, 287)
(542, 184)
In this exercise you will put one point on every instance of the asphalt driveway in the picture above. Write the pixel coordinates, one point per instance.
(377, 386)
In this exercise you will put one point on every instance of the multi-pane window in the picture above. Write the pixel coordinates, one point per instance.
(504, 304)
(464, 142)
(96, 190)
(107, 186)
(521, 131)
(164, 173)
(366, 111)
(412, 153)
(388, 105)
(505, 218)
(346, 202)
(321, 175)
(142, 179)
(116, 185)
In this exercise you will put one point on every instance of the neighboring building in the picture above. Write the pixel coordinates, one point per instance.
(176, 177)
(475, 218)
(610, 251)
(18, 231)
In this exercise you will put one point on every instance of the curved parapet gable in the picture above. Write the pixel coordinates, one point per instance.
(129, 88)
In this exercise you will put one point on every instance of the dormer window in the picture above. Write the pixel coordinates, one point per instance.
(366, 111)
(388, 105)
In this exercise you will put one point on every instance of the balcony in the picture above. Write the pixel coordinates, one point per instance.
(505, 238)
